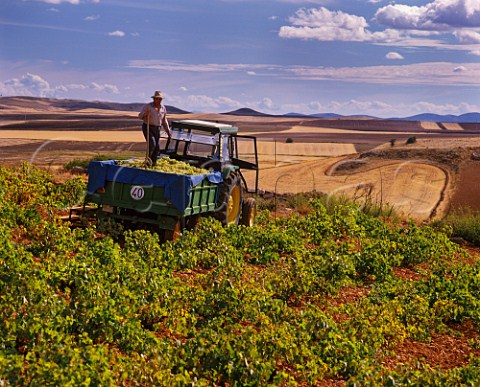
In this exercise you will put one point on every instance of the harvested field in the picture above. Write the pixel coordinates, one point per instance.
(413, 188)
(84, 135)
(273, 153)
(313, 130)
(452, 126)
(430, 126)
(296, 154)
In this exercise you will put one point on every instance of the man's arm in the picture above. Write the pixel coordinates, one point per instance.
(145, 113)
(165, 126)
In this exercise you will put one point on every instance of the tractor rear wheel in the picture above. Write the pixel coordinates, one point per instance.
(249, 212)
(230, 200)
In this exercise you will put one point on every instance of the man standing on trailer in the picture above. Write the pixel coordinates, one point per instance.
(154, 115)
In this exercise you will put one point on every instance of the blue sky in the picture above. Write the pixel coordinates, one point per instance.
(376, 57)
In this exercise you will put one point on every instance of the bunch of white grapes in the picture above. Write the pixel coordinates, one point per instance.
(167, 165)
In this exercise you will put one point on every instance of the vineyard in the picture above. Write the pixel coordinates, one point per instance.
(333, 297)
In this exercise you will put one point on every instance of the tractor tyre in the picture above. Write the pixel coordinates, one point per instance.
(249, 212)
(230, 200)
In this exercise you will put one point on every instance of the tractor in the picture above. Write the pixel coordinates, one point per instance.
(170, 202)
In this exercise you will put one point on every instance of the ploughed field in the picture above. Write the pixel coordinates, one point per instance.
(352, 157)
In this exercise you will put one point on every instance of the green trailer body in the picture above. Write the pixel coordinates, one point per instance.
(148, 196)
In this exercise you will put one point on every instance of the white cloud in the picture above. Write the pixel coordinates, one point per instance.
(438, 74)
(406, 17)
(459, 69)
(313, 106)
(428, 73)
(29, 85)
(92, 18)
(322, 16)
(76, 86)
(409, 26)
(448, 108)
(229, 103)
(325, 25)
(394, 55)
(320, 2)
(73, 2)
(197, 68)
(354, 106)
(267, 103)
(117, 33)
(381, 108)
(467, 36)
(437, 15)
(110, 89)
(36, 86)
(196, 103)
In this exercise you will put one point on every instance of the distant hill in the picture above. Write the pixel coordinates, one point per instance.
(326, 115)
(79, 105)
(247, 112)
(469, 118)
(134, 106)
(317, 115)
(73, 104)
(294, 115)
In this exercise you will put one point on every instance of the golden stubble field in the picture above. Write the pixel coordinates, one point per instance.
(347, 157)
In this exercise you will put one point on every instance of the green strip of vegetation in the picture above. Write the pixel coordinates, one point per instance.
(465, 224)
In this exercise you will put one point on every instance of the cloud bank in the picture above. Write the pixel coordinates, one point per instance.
(35, 86)
(405, 24)
(429, 73)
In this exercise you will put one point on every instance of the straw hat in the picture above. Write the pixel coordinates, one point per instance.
(157, 94)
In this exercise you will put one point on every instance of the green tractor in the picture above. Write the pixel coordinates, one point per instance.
(171, 201)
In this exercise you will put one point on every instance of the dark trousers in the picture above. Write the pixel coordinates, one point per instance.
(152, 136)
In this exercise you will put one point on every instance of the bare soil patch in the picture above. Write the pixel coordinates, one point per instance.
(467, 192)
(446, 351)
